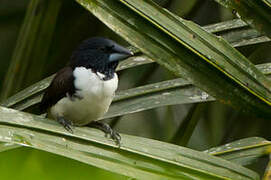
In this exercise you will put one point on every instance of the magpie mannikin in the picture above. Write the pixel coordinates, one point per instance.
(82, 91)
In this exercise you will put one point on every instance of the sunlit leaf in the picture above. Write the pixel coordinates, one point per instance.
(177, 91)
(185, 49)
(267, 173)
(244, 151)
(8, 146)
(137, 157)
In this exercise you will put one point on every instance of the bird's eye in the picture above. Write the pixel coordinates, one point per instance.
(106, 49)
(103, 49)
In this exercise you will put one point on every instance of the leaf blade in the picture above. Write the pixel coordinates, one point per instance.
(259, 19)
(153, 158)
(244, 151)
(167, 52)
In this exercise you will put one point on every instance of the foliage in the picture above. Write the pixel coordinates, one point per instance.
(177, 63)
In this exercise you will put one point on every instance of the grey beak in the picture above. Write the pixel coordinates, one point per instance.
(121, 53)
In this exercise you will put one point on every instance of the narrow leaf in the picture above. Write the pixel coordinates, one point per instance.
(137, 157)
(8, 146)
(188, 125)
(206, 61)
(32, 46)
(255, 12)
(244, 151)
(176, 91)
(267, 173)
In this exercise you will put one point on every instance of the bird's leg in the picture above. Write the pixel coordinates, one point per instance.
(107, 130)
(65, 123)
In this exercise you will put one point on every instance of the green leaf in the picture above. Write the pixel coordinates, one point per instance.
(162, 2)
(255, 12)
(244, 151)
(8, 146)
(187, 50)
(34, 91)
(32, 46)
(267, 173)
(137, 157)
(237, 33)
(211, 49)
(176, 91)
(188, 125)
(225, 26)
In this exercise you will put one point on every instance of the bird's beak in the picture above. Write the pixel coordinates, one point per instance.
(121, 53)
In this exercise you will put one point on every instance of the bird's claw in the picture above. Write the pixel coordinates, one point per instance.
(66, 124)
(114, 135)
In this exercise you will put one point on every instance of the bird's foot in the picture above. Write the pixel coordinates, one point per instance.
(65, 123)
(114, 135)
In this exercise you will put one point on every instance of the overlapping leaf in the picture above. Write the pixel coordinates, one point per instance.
(176, 91)
(184, 51)
(211, 49)
(244, 151)
(137, 157)
(32, 95)
(255, 12)
(171, 42)
(30, 53)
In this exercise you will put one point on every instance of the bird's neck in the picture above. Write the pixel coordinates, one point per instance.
(109, 74)
(108, 70)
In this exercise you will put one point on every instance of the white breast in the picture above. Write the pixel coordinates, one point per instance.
(96, 96)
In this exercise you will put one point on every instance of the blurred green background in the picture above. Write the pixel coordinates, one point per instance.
(218, 123)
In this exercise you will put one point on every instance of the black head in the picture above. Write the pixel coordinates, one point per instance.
(100, 54)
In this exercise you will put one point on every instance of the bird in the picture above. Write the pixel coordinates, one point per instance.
(82, 91)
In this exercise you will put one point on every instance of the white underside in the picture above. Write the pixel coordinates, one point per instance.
(96, 97)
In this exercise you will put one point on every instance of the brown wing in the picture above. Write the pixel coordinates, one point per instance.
(62, 84)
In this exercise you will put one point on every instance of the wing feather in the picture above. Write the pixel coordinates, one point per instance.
(62, 84)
